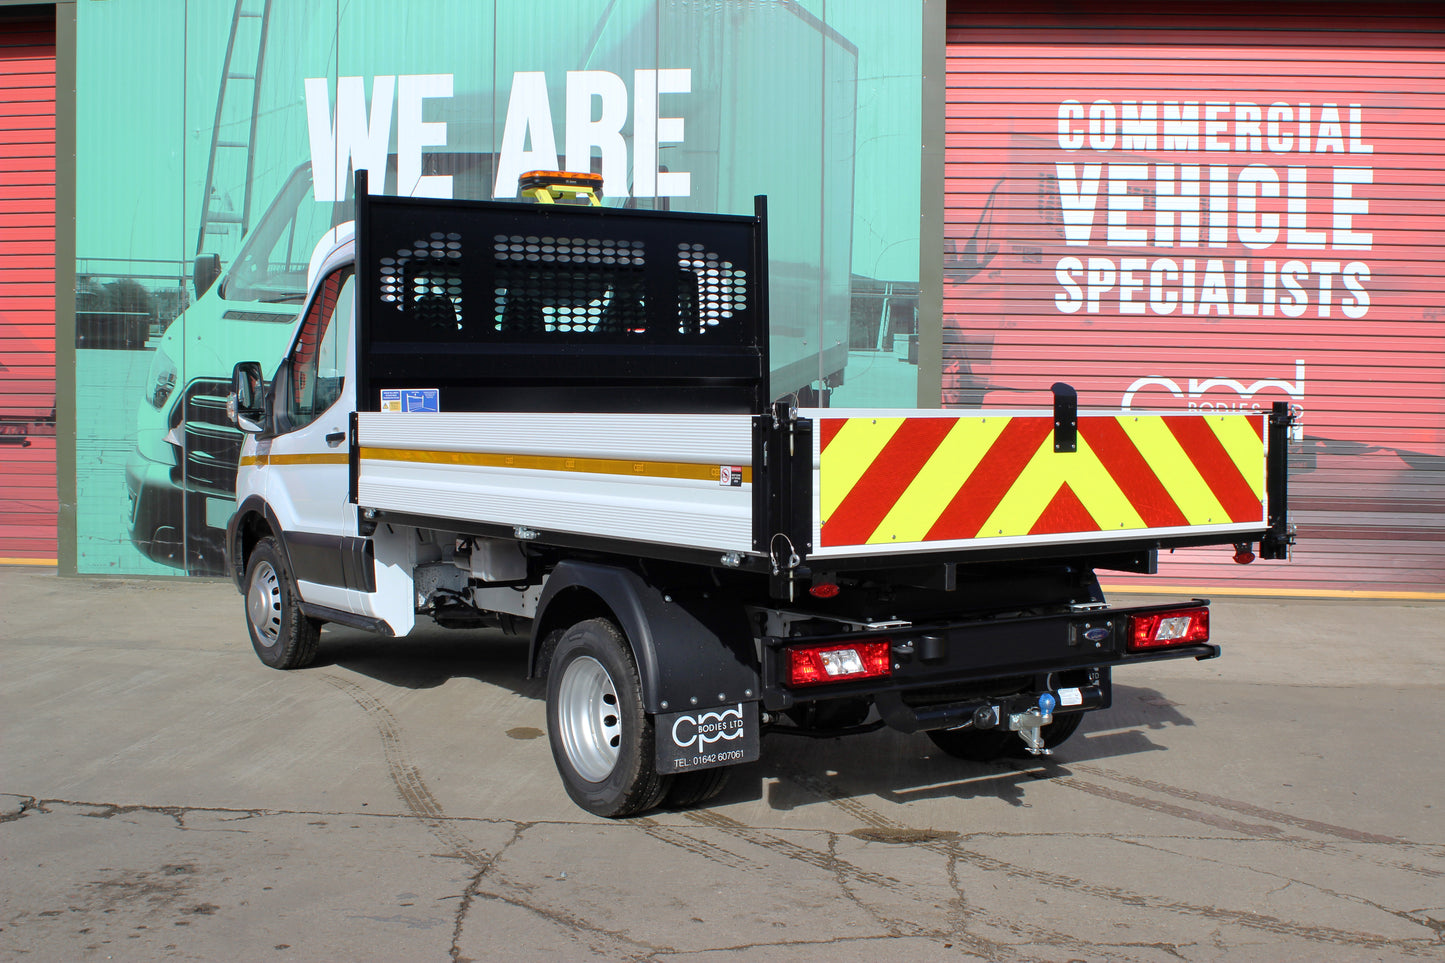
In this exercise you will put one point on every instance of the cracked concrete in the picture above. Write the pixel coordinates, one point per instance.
(164, 796)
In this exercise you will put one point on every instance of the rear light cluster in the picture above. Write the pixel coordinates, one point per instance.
(839, 662)
(1162, 630)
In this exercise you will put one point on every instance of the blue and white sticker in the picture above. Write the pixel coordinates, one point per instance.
(408, 400)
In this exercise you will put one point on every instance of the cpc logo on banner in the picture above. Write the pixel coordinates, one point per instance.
(1194, 395)
(703, 729)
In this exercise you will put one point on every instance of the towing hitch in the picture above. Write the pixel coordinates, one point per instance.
(1029, 725)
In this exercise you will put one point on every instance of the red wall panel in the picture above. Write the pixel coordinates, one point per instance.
(27, 292)
(1216, 208)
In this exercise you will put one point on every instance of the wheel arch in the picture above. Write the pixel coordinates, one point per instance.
(691, 649)
(252, 522)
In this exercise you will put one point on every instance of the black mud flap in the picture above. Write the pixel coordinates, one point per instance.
(705, 738)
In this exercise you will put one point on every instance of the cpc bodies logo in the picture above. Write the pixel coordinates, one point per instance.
(1245, 401)
(700, 730)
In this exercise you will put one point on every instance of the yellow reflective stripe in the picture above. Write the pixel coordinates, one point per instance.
(921, 504)
(1174, 470)
(848, 456)
(594, 466)
(1097, 490)
(1042, 479)
(1244, 446)
(319, 458)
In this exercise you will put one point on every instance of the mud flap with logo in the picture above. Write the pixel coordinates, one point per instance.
(705, 738)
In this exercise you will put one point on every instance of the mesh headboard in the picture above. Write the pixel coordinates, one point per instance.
(507, 306)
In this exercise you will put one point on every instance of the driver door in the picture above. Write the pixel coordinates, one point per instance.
(308, 462)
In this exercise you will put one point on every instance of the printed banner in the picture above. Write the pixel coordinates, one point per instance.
(206, 180)
(1169, 227)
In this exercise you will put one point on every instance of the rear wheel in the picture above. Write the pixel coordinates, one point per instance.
(693, 788)
(602, 738)
(987, 745)
(282, 637)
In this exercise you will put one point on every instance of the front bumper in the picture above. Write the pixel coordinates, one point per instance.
(174, 525)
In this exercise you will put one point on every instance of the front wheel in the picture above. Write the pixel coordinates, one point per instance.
(602, 738)
(282, 637)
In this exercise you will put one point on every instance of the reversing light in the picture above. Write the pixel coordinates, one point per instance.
(832, 662)
(1162, 630)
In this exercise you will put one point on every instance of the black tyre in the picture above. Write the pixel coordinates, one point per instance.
(987, 745)
(602, 739)
(694, 788)
(282, 636)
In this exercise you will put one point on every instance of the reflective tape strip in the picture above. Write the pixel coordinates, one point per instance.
(910, 480)
(595, 466)
(319, 458)
(1166, 455)
(918, 509)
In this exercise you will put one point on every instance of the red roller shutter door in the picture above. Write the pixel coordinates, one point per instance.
(27, 292)
(1215, 208)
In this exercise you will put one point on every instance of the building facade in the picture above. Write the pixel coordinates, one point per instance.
(1211, 207)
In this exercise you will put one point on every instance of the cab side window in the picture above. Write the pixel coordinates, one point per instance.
(315, 370)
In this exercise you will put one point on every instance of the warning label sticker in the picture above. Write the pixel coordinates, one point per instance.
(409, 399)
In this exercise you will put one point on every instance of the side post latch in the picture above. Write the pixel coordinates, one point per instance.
(1066, 418)
(783, 500)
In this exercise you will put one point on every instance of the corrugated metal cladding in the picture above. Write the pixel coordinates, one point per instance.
(27, 291)
(1217, 207)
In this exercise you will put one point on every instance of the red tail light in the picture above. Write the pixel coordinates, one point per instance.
(835, 662)
(1162, 630)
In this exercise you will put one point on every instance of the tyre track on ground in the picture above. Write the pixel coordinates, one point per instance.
(1239, 806)
(407, 780)
(418, 798)
(1330, 847)
(878, 821)
(1119, 895)
(847, 874)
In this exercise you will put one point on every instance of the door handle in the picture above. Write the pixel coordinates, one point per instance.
(335, 438)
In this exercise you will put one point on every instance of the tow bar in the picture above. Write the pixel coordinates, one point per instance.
(1028, 725)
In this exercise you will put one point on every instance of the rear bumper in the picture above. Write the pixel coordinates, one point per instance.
(942, 674)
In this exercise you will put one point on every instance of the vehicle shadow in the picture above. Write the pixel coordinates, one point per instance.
(432, 656)
(795, 771)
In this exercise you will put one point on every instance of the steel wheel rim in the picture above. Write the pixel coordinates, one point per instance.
(588, 718)
(263, 602)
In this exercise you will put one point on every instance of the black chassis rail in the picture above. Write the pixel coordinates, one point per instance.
(941, 672)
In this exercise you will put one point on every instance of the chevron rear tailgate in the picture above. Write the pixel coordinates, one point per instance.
(928, 481)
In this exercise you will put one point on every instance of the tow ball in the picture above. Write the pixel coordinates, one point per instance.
(1029, 725)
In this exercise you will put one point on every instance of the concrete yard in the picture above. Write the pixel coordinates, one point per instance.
(166, 796)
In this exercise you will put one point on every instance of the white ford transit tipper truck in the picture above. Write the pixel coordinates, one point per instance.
(556, 420)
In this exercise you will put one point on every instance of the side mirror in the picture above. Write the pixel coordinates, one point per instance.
(246, 404)
(207, 268)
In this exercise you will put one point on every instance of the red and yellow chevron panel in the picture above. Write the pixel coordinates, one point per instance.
(939, 479)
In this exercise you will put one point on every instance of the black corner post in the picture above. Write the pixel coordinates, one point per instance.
(365, 291)
(1280, 537)
(1066, 418)
(761, 324)
(353, 458)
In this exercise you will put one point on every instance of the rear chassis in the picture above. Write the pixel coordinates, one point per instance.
(947, 674)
